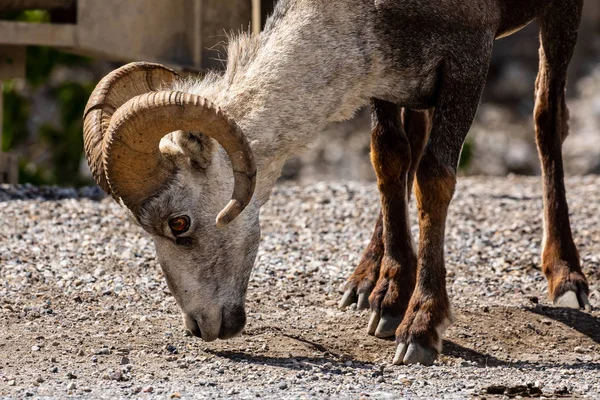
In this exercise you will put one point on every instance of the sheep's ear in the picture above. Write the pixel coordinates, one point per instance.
(195, 149)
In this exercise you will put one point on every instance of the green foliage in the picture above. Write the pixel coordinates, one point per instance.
(67, 142)
(64, 144)
(61, 146)
(16, 112)
(466, 156)
(36, 16)
(33, 16)
(42, 60)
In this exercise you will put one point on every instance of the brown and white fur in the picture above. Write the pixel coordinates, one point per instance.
(422, 66)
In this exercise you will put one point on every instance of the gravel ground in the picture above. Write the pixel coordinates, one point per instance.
(85, 311)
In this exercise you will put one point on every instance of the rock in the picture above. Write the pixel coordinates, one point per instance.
(282, 385)
(115, 376)
(171, 349)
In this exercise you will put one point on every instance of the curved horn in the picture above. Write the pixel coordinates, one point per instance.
(111, 93)
(136, 169)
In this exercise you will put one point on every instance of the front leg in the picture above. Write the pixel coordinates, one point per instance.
(429, 312)
(419, 336)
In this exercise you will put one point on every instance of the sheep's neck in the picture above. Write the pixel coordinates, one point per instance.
(291, 87)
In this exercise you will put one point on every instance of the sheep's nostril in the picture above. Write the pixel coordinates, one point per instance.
(194, 328)
(233, 323)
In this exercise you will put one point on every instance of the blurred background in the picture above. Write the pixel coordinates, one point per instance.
(53, 52)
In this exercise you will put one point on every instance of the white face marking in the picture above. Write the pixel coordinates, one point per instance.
(207, 268)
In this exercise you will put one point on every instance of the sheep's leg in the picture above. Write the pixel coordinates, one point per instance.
(362, 281)
(391, 157)
(560, 261)
(396, 281)
(419, 336)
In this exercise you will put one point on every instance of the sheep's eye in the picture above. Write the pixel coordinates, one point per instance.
(179, 225)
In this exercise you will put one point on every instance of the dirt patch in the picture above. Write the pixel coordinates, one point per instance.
(85, 310)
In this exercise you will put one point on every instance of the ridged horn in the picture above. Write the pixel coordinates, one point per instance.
(114, 90)
(136, 169)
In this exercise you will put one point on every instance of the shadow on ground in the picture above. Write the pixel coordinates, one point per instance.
(582, 322)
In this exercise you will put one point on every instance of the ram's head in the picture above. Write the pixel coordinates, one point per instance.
(154, 150)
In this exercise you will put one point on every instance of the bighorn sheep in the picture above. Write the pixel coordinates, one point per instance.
(151, 141)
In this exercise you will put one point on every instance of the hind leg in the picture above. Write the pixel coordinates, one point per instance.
(560, 260)
(362, 281)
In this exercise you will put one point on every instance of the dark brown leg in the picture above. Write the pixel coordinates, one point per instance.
(428, 314)
(391, 158)
(362, 281)
(560, 260)
(398, 267)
